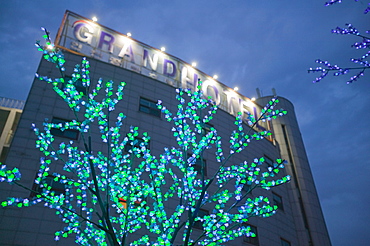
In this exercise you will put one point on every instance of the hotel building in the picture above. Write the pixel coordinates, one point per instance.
(152, 75)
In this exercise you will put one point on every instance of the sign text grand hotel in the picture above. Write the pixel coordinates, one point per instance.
(87, 38)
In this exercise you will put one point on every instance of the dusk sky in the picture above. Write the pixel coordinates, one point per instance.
(249, 44)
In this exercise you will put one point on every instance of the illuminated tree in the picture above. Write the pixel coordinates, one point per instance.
(362, 63)
(118, 196)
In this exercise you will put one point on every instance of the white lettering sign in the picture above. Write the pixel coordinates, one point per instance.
(91, 39)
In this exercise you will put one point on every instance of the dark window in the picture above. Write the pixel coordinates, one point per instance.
(135, 143)
(247, 187)
(78, 84)
(284, 242)
(4, 154)
(278, 201)
(201, 213)
(149, 107)
(133, 204)
(252, 240)
(197, 165)
(4, 114)
(206, 128)
(123, 203)
(68, 133)
(269, 161)
(56, 186)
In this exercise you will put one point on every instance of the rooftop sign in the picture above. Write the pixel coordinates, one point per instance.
(88, 38)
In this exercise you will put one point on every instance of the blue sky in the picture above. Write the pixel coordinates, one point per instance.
(249, 44)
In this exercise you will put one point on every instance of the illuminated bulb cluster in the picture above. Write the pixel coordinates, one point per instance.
(51, 54)
(240, 139)
(268, 112)
(9, 175)
(331, 2)
(109, 195)
(340, 71)
(326, 67)
(186, 130)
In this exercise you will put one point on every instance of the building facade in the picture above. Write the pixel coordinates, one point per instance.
(153, 75)
(10, 112)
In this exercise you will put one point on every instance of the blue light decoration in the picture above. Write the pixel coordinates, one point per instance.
(362, 64)
(124, 190)
(331, 2)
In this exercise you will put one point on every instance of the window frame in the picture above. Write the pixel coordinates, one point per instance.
(278, 201)
(251, 240)
(247, 188)
(129, 146)
(285, 242)
(123, 203)
(269, 161)
(207, 128)
(78, 84)
(197, 165)
(148, 106)
(49, 180)
(199, 224)
(64, 134)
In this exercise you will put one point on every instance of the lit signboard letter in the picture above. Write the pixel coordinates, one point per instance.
(83, 31)
(186, 81)
(108, 39)
(127, 51)
(257, 123)
(169, 68)
(210, 89)
(153, 61)
(234, 103)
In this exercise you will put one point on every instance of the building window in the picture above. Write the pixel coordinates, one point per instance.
(56, 187)
(4, 114)
(247, 188)
(135, 201)
(201, 213)
(78, 84)
(123, 203)
(285, 242)
(252, 240)
(278, 201)
(132, 144)
(135, 144)
(67, 133)
(197, 165)
(269, 161)
(149, 107)
(206, 128)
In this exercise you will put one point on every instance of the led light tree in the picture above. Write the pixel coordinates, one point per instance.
(118, 196)
(361, 64)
